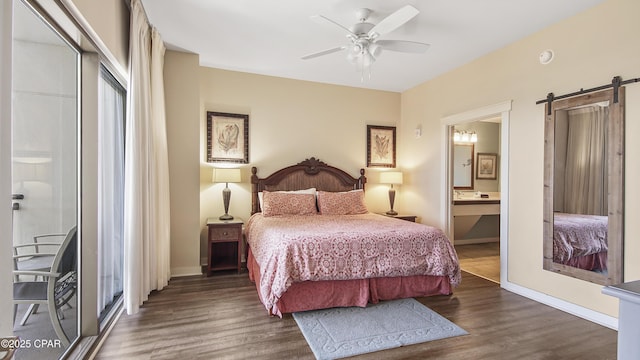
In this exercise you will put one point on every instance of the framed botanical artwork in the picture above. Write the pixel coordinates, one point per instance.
(381, 146)
(227, 137)
(487, 166)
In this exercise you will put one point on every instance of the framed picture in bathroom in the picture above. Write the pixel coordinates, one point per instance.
(487, 166)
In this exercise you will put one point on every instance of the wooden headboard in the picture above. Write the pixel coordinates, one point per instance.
(306, 174)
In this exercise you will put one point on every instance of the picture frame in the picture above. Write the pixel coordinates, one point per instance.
(487, 166)
(227, 137)
(381, 146)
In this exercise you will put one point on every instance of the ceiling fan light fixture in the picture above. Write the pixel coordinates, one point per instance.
(368, 59)
(352, 58)
(375, 50)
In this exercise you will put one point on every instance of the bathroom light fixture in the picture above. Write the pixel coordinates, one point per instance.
(464, 136)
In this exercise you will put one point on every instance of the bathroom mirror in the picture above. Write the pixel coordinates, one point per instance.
(584, 187)
(463, 166)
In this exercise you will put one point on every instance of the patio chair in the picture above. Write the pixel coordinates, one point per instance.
(38, 255)
(58, 288)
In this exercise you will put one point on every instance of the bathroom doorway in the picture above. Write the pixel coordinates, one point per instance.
(476, 213)
(476, 196)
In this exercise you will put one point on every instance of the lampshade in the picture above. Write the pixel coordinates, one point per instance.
(223, 175)
(391, 177)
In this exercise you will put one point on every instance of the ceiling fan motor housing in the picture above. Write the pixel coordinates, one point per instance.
(363, 14)
(361, 29)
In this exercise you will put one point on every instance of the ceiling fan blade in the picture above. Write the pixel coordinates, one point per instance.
(324, 52)
(403, 46)
(393, 21)
(321, 19)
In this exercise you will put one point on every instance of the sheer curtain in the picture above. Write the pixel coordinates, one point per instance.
(585, 190)
(146, 167)
(111, 189)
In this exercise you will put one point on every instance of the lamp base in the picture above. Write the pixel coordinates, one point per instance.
(226, 196)
(392, 197)
(226, 217)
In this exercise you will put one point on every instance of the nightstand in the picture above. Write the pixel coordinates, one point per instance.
(406, 217)
(224, 244)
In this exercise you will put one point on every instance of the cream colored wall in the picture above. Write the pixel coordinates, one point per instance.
(290, 121)
(182, 94)
(590, 49)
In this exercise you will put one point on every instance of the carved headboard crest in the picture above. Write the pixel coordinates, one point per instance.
(311, 165)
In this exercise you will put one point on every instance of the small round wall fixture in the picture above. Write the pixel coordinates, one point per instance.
(546, 56)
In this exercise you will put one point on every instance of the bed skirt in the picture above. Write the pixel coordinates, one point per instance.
(593, 262)
(312, 295)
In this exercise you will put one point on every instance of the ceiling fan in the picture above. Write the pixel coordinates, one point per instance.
(364, 45)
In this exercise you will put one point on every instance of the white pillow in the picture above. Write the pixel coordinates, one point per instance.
(304, 191)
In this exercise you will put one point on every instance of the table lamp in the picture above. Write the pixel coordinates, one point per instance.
(223, 175)
(393, 178)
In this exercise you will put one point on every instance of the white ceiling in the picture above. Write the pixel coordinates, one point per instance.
(270, 37)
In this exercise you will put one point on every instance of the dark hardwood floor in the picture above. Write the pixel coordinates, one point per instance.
(220, 317)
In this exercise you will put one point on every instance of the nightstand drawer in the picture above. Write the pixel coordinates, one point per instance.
(224, 234)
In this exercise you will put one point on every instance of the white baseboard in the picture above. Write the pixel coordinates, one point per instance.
(186, 271)
(582, 312)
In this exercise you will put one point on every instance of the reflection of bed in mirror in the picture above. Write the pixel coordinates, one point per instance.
(580, 241)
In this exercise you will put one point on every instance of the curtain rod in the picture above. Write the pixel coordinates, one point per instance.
(616, 82)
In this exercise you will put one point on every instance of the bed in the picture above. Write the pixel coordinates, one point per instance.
(580, 241)
(312, 244)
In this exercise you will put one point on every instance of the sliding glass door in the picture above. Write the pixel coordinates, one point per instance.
(111, 120)
(44, 179)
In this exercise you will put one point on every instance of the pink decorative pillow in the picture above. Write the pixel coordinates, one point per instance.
(342, 203)
(304, 191)
(280, 203)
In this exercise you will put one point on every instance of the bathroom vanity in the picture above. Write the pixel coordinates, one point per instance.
(476, 218)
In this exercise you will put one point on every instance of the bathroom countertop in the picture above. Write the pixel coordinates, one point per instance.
(474, 198)
(476, 201)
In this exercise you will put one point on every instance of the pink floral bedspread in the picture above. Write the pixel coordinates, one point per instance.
(299, 248)
(578, 235)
